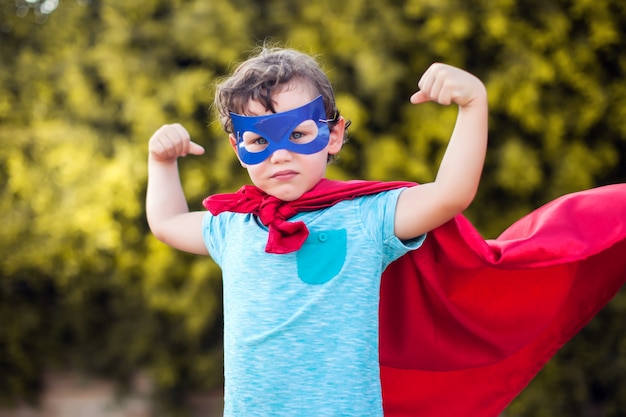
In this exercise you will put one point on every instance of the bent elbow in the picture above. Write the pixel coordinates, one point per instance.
(158, 229)
(158, 233)
(458, 204)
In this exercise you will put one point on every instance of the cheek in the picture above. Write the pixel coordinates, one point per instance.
(317, 163)
(252, 169)
(255, 171)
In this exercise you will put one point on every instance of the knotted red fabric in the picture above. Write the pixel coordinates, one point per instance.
(466, 323)
(285, 236)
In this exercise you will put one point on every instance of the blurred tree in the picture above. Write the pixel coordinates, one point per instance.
(84, 84)
(83, 283)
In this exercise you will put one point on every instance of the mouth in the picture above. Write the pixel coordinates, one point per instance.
(284, 175)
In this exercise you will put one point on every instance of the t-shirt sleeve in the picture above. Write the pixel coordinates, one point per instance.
(214, 234)
(379, 214)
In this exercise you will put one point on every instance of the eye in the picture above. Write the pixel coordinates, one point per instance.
(253, 142)
(305, 132)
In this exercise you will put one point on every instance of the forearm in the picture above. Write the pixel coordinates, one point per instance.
(461, 167)
(165, 198)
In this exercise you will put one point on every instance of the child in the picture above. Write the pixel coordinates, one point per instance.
(461, 325)
(301, 298)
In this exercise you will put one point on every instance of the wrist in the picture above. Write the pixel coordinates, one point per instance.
(480, 100)
(157, 159)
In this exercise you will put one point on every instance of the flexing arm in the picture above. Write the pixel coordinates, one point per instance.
(166, 207)
(425, 207)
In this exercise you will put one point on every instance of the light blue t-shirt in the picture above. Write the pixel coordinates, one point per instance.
(301, 329)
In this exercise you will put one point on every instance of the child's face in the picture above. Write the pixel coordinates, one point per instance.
(286, 174)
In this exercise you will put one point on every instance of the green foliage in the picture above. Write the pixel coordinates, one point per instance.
(83, 283)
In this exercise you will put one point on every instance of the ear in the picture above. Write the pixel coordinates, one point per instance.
(335, 143)
(233, 144)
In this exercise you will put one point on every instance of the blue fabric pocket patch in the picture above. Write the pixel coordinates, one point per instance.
(322, 256)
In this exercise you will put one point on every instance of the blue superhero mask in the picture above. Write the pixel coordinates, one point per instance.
(302, 130)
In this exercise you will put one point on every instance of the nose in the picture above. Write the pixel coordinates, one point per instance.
(280, 155)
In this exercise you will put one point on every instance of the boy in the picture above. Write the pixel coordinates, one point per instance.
(301, 319)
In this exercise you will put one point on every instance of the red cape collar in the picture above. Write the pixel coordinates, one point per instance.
(285, 236)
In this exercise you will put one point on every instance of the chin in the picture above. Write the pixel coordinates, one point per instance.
(286, 194)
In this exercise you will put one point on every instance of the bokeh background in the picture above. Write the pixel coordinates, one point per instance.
(85, 288)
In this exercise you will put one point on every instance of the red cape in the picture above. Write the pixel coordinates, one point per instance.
(466, 323)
